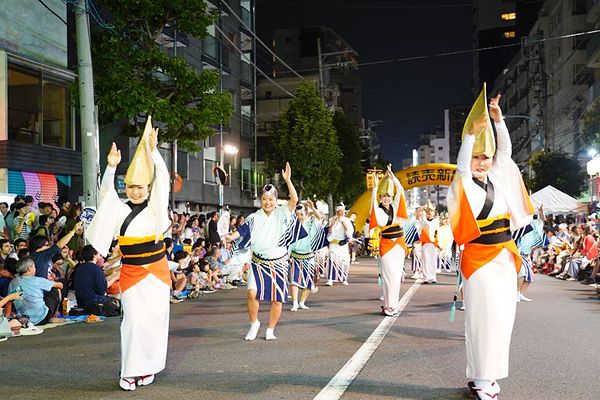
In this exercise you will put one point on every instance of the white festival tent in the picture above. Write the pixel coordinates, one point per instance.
(557, 202)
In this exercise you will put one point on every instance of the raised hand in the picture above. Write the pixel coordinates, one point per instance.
(153, 139)
(114, 156)
(389, 171)
(287, 173)
(494, 108)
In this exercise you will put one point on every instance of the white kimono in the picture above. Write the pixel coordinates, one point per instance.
(145, 305)
(391, 264)
(491, 290)
(339, 255)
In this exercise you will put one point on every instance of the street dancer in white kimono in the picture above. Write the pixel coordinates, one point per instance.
(427, 228)
(340, 233)
(269, 232)
(390, 215)
(487, 200)
(145, 280)
(302, 257)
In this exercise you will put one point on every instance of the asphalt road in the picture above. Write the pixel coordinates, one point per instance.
(555, 349)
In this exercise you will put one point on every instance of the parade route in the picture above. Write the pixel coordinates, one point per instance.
(421, 356)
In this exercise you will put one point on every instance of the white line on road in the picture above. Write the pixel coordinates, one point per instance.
(340, 382)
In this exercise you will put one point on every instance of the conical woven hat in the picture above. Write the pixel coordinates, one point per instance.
(386, 186)
(478, 123)
(141, 167)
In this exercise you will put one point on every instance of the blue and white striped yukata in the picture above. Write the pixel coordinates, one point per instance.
(269, 237)
(302, 257)
(527, 238)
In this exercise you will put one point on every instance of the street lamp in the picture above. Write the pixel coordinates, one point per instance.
(230, 149)
(592, 153)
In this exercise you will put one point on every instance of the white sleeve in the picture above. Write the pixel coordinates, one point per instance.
(504, 146)
(399, 193)
(465, 154)
(159, 196)
(108, 183)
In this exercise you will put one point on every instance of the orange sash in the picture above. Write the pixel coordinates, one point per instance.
(386, 245)
(476, 255)
(133, 274)
(424, 236)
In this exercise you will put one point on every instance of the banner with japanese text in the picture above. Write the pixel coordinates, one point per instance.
(427, 174)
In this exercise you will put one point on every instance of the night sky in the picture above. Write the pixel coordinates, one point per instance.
(409, 97)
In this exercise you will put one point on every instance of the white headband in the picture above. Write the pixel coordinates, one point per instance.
(340, 207)
(270, 190)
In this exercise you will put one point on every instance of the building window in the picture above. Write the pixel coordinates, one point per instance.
(508, 16)
(39, 109)
(509, 34)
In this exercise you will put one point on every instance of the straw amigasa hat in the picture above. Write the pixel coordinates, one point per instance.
(478, 123)
(141, 167)
(429, 206)
(386, 186)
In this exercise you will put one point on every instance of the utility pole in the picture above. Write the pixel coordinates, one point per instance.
(255, 103)
(174, 142)
(89, 131)
(322, 94)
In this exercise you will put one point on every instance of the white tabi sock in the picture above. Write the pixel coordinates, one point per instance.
(270, 335)
(253, 331)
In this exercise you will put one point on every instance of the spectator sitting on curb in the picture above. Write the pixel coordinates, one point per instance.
(90, 285)
(41, 299)
(42, 251)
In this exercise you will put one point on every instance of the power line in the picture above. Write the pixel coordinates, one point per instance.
(459, 52)
(365, 6)
(260, 41)
(252, 63)
(52, 11)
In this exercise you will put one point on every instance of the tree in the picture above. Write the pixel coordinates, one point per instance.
(591, 125)
(307, 139)
(134, 77)
(352, 181)
(556, 168)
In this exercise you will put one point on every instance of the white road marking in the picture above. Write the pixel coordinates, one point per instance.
(344, 378)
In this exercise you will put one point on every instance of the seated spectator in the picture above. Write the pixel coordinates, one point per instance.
(180, 263)
(90, 285)
(41, 298)
(45, 227)
(212, 280)
(23, 222)
(231, 267)
(19, 245)
(42, 252)
(8, 271)
(583, 258)
(212, 258)
(9, 327)
(7, 249)
(169, 248)
(197, 280)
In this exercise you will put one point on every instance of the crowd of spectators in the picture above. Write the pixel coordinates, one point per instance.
(47, 270)
(571, 253)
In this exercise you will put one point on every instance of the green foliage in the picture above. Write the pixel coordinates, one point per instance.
(132, 76)
(556, 168)
(352, 182)
(307, 140)
(591, 125)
